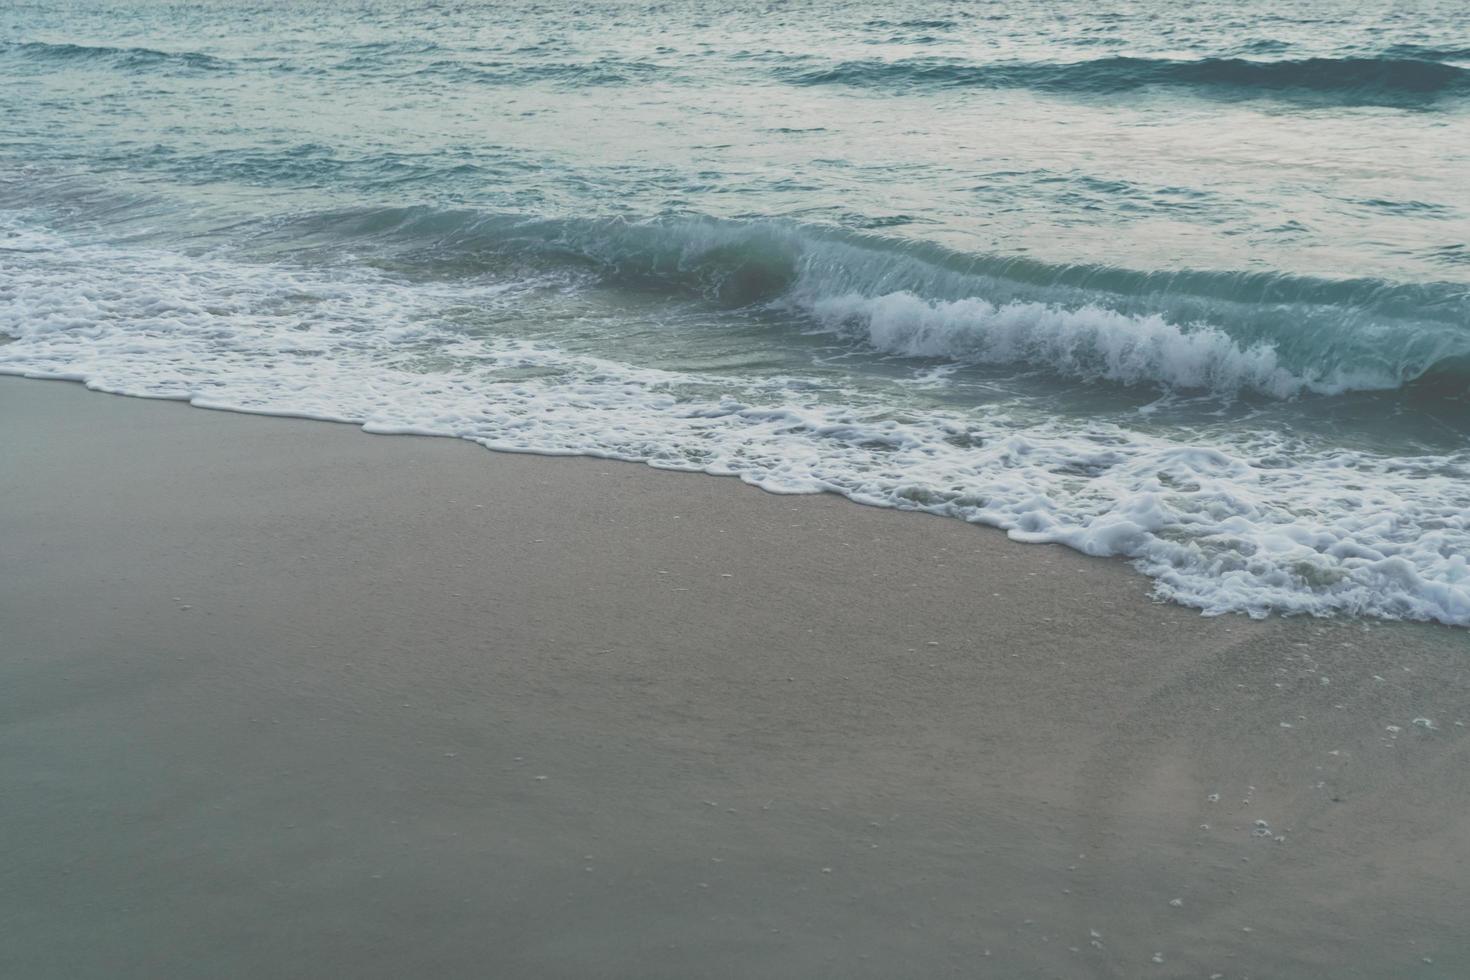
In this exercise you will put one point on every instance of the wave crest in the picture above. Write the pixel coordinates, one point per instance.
(1090, 343)
(128, 58)
(1382, 80)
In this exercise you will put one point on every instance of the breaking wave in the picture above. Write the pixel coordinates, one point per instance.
(1272, 334)
(1256, 522)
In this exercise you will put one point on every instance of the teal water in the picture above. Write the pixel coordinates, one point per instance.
(1189, 285)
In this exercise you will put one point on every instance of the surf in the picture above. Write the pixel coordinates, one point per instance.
(1276, 335)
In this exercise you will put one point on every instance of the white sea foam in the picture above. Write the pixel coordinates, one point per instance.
(1090, 343)
(1220, 527)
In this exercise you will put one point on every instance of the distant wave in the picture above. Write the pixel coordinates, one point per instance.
(135, 58)
(1424, 52)
(935, 24)
(572, 74)
(374, 62)
(1385, 80)
(1228, 332)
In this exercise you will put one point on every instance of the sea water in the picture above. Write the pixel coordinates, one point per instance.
(1185, 283)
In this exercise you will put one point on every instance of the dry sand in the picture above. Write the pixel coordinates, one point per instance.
(282, 699)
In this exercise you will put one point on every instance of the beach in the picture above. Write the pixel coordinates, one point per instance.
(282, 698)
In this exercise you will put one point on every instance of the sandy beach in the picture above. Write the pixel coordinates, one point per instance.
(281, 698)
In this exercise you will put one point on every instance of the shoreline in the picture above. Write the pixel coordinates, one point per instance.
(278, 698)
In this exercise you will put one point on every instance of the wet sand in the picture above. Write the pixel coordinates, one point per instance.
(280, 698)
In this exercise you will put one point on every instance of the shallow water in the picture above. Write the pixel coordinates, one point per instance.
(1186, 285)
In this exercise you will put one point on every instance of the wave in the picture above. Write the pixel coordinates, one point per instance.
(573, 74)
(1382, 80)
(1229, 332)
(1095, 343)
(128, 58)
(1241, 520)
(1424, 52)
(374, 62)
(1091, 343)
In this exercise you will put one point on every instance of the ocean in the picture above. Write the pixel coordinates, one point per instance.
(1183, 283)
